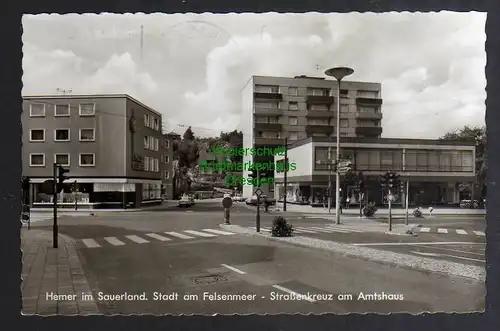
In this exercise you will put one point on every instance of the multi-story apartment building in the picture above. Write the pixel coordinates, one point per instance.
(275, 108)
(109, 143)
(167, 163)
(434, 168)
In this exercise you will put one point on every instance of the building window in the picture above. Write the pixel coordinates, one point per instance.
(344, 93)
(61, 110)
(62, 159)
(266, 105)
(365, 109)
(156, 124)
(151, 164)
(167, 159)
(344, 108)
(157, 165)
(319, 107)
(343, 134)
(317, 121)
(270, 134)
(157, 144)
(146, 120)
(293, 120)
(87, 160)
(37, 110)
(146, 163)
(266, 89)
(166, 175)
(293, 135)
(367, 94)
(87, 109)
(87, 134)
(318, 91)
(167, 143)
(146, 142)
(61, 135)
(293, 106)
(37, 135)
(293, 91)
(344, 123)
(37, 160)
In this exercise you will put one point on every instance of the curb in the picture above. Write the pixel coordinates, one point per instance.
(397, 259)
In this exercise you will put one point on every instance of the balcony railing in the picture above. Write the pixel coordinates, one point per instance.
(259, 126)
(268, 95)
(369, 130)
(320, 113)
(369, 101)
(319, 129)
(268, 111)
(319, 99)
(369, 115)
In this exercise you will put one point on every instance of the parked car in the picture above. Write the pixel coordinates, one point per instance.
(238, 198)
(469, 204)
(227, 195)
(186, 201)
(253, 200)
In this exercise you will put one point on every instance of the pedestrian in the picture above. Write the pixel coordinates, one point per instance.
(430, 211)
(348, 202)
(266, 204)
(340, 205)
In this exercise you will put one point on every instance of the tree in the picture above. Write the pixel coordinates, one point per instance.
(478, 136)
(233, 139)
(188, 135)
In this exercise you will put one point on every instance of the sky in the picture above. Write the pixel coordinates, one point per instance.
(192, 67)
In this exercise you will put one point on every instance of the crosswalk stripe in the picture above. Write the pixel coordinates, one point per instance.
(442, 231)
(200, 234)
(342, 229)
(157, 236)
(114, 241)
(479, 233)
(331, 230)
(461, 231)
(224, 233)
(320, 229)
(90, 243)
(425, 229)
(137, 239)
(178, 235)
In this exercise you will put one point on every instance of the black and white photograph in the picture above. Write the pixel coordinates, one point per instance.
(274, 163)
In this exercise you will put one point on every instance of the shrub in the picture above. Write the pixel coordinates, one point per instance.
(281, 228)
(418, 213)
(369, 210)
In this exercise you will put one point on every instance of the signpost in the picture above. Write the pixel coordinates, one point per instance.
(390, 198)
(258, 192)
(227, 203)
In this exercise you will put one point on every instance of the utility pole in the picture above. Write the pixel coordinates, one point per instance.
(258, 204)
(407, 200)
(54, 198)
(285, 179)
(329, 180)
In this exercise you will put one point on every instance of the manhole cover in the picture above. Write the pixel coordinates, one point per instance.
(209, 279)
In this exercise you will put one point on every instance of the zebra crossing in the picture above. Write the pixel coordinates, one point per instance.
(451, 231)
(314, 229)
(145, 238)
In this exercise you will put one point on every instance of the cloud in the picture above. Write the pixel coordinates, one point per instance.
(192, 67)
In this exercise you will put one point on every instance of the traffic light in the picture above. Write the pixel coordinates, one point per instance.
(390, 180)
(61, 177)
(384, 179)
(402, 186)
(348, 166)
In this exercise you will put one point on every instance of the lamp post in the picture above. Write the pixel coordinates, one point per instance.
(338, 73)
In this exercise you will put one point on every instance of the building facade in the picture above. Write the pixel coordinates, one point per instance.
(109, 143)
(436, 170)
(275, 108)
(167, 163)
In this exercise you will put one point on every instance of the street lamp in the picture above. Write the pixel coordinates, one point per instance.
(338, 73)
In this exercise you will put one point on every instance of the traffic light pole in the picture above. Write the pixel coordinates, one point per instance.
(257, 217)
(54, 226)
(407, 199)
(390, 212)
(329, 180)
(285, 178)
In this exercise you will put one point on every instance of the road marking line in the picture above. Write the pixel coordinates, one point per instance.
(284, 289)
(317, 228)
(344, 229)
(479, 233)
(442, 231)
(233, 269)
(420, 243)
(224, 233)
(305, 230)
(200, 234)
(114, 241)
(328, 230)
(448, 255)
(454, 250)
(137, 239)
(461, 231)
(425, 229)
(90, 243)
(178, 235)
(157, 236)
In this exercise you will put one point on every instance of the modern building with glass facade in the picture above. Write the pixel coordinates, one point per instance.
(109, 143)
(434, 168)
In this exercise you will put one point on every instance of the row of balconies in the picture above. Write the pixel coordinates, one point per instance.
(360, 130)
(317, 99)
(317, 113)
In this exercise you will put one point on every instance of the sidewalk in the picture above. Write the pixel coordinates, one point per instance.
(48, 270)
(62, 211)
(381, 211)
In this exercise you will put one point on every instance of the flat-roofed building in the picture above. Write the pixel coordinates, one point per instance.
(435, 169)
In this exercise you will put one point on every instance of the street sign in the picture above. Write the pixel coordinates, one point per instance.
(390, 197)
(258, 192)
(227, 202)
